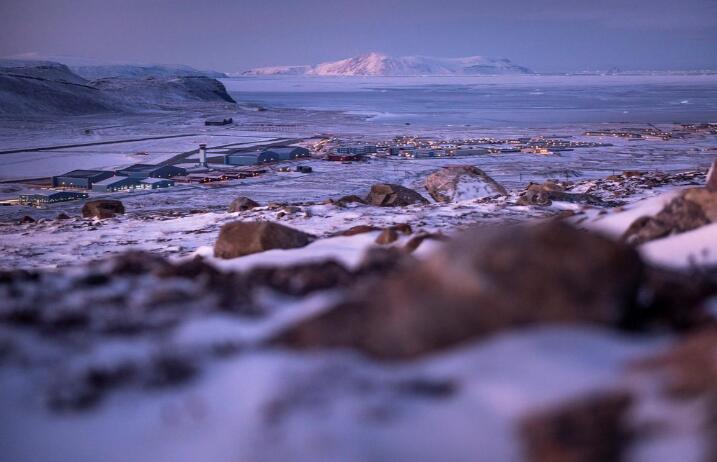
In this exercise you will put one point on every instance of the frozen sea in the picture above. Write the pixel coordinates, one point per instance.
(492, 101)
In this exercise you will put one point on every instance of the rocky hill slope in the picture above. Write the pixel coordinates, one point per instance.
(39, 88)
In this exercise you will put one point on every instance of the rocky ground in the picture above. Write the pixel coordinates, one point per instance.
(562, 321)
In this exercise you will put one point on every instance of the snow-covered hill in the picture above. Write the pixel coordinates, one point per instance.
(42, 87)
(133, 71)
(377, 64)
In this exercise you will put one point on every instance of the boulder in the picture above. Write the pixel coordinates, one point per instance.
(460, 183)
(679, 215)
(350, 199)
(102, 208)
(711, 183)
(546, 193)
(592, 429)
(239, 238)
(63, 216)
(242, 204)
(387, 236)
(27, 219)
(358, 229)
(483, 282)
(393, 195)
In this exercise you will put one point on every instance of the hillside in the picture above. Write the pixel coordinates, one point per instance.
(43, 87)
(133, 71)
(377, 64)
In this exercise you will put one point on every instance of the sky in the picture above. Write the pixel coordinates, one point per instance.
(225, 35)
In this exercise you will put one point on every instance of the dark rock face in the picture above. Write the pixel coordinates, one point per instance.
(242, 204)
(393, 195)
(544, 194)
(462, 182)
(678, 216)
(483, 282)
(27, 219)
(102, 208)
(304, 278)
(238, 238)
(63, 216)
(593, 429)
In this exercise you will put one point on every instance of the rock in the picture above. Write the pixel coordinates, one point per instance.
(301, 279)
(63, 216)
(678, 216)
(393, 195)
(711, 183)
(358, 229)
(546, 193)
(350, 199)
(239, 238)
(460, 183)
(483, 282)
(387, 236)
(403, 228)
(27, 219)
(418, 239)
(706, 199)
(591, 429)
(242, 204)
(102, 208)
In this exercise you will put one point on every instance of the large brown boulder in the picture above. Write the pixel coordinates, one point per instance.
(242, 204)
(240, 238)
(690, 210)
(460, 183)
(393, 195)
(482, 282)
(591, 429)
(102, 208)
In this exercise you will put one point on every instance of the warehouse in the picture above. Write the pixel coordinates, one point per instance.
(288, 152)
(155, 183)
(83, 179)
(38, 200)
(116, 183)
(151, 171)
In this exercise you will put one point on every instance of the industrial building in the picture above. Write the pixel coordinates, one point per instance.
(115, 183)
(288, 152)
(155, 183)
(38, 200)
(356, 150)
(218, 121)
(151, 171)
(82, 179)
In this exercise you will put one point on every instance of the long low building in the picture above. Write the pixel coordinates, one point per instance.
(37, 200)
(151, 171)
(125, 183)
(82, 179)
(269, 155)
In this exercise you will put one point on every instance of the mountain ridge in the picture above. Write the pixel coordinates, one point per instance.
(379, 64)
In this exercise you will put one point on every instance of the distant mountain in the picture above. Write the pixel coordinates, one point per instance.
(44, 87)
(377, 64)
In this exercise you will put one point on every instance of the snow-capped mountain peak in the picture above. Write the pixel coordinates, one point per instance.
(379, 64)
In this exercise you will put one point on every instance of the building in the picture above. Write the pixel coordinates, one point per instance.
(356, 150)
(82, 179)
(116, 183)
(140, 171)
(288, 152)
(218, 121)
(344, 157)
(269, 155)
(38, 200)
(155, 183)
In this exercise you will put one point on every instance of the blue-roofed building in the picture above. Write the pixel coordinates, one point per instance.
(82, 179)
(152, 171)
(116, 183)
